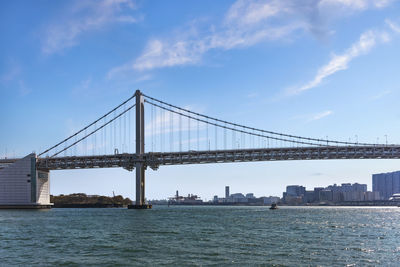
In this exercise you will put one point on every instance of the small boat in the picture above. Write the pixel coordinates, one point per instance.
(273, 206)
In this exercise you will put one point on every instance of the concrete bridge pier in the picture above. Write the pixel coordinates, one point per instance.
(140, 167)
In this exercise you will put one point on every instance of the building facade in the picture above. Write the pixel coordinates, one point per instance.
(226, 191)
(22, 185)
(386, 184)
(296, 194)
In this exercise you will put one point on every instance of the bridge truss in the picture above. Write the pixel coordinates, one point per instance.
(155, 160)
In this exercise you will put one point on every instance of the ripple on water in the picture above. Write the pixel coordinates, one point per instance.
(201, 236)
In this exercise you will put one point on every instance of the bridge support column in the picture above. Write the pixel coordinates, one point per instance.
(140, 167)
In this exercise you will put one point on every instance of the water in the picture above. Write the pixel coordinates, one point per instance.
(195, 235)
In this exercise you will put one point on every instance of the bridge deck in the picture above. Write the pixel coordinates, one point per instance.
(154, 160)
(126, 161)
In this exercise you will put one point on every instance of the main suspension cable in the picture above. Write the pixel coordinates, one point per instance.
(232, 129)
(259, 130)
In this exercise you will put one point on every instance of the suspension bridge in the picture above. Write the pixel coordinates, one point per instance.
(170, 135)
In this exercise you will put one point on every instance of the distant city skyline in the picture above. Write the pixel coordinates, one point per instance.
(344, 193)
(324, 68)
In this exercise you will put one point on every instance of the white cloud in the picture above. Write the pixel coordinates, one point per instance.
(393, 26)
(340, 62)
(159, 54)
(166, 53)
(83, 17)
(357, 4)
(245, 24)
(382, 3)
(252, 12)
(321, 115)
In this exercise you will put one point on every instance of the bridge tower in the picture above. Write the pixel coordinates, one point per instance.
(140, 166)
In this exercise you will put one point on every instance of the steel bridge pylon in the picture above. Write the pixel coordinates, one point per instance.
(140, 165)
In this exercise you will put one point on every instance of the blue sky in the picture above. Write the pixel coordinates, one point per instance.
(312, 67)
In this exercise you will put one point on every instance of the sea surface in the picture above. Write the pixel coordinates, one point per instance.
(201, 235)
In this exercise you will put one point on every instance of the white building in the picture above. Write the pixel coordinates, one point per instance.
(23, 186)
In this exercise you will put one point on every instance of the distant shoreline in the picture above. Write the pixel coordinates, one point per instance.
(96, 205)
(81, 200)
(82, 206)
(340, 204)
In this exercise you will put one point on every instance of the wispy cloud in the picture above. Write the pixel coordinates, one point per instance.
(85, 16)
(320, 115)
(245, 24)
(12, 72)
(83, 88)
(309, 117)
(12, 78)
(145, 77)
(340, 62)
(252, 95)
(164, 122)
(393, 26)
(357, 4)
(23, 89)
(366, 42)
(317, 174)
(380, 95)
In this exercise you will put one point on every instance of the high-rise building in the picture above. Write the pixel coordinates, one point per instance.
(294, 193)
(348, 187)
(371, 196)
(386, 184)
(226, 191)
(295, 190)
(317, 190)
(356, 187)
(325, 195)
(309, 197)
